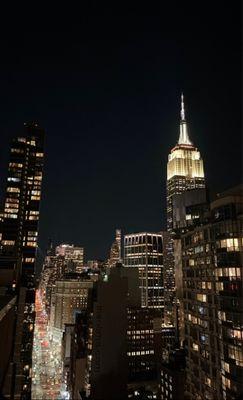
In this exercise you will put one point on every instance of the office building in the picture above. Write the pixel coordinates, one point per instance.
(109, 359)
(185, 171)
(73, 257)
(72, 294)
(144, 251)
(184, 168)
(115, 251)
(140, 346)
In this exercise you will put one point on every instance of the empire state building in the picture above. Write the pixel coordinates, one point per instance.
(184, 169)
(184, 172)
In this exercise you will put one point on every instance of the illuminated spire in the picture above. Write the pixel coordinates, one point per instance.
(184, 137)
(182, 108)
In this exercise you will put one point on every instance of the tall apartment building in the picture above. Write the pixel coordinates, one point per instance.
(212, 267)
(19, 235)
(185, 171)
(144, 251)
(227, 234)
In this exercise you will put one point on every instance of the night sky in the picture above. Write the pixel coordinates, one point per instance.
(105, 84)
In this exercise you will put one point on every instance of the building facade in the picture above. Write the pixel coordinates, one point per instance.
(70, 296)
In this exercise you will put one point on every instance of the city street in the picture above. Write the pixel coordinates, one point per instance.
(46, 359)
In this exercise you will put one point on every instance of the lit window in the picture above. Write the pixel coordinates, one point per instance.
(201, 297)
(8, 242)
(195, 346)
(13, 190)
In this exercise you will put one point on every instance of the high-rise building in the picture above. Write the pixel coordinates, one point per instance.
(211, 256)
(227, 235)
(109, 359)
(185, 171)
(140, 345)
(184, 168)
(115, 252)
(19, 234)
(19, 228)
(144, 251)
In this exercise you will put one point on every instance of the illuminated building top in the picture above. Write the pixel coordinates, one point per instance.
(185, 159)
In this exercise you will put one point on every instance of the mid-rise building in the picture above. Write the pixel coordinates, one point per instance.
(172, 376)
(71, 295)
(144, 251)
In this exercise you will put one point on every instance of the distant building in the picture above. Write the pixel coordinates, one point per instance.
(144, 251)
(73, 257)
(115, 252)
(71, 295)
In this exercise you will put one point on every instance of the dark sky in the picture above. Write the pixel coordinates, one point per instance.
(105, 84)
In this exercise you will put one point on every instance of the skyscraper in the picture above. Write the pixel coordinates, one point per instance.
(145, 252)
(19, 228)
(115, 252)
(211, 262)
(184, 172)
(19, 233)
(184, 168)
